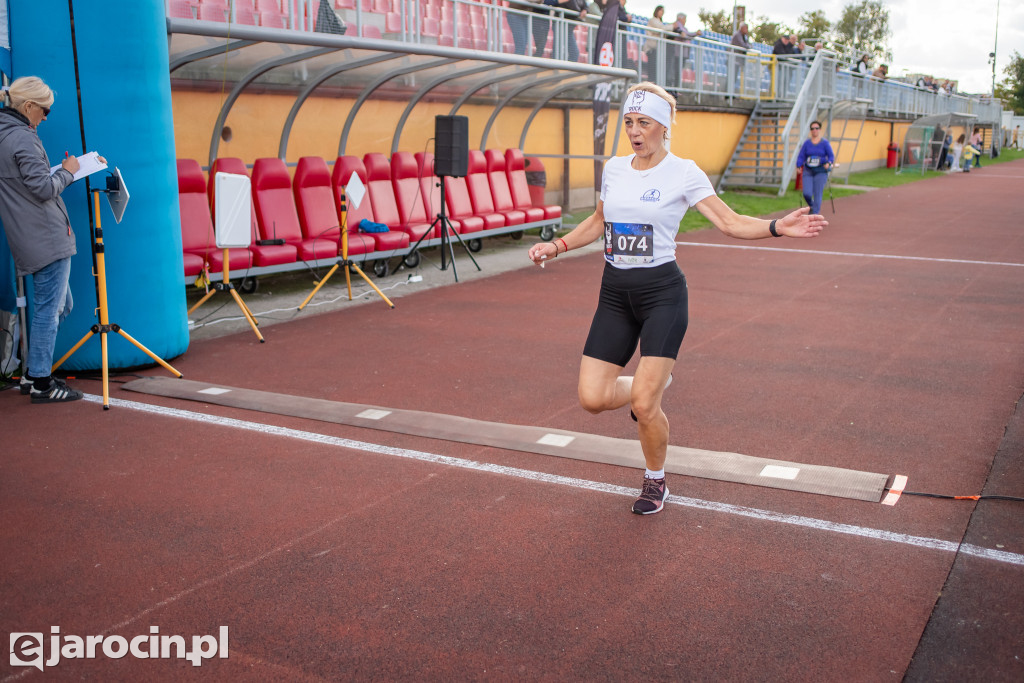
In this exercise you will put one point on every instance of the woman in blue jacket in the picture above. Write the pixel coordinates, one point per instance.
(816, 158)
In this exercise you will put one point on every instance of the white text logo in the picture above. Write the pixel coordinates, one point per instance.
(27, 648)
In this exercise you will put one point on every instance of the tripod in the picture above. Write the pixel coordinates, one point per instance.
(345, 261)
(225, 285)
(446, 229)
(105, 326)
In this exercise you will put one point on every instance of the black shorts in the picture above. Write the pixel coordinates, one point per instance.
(645, 304)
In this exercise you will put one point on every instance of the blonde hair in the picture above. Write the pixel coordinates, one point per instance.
(656, 89)
(27, 89)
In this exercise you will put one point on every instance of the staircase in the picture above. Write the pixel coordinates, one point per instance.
(758, 159)
(765, 156)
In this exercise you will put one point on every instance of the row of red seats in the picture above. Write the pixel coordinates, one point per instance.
(402, 193)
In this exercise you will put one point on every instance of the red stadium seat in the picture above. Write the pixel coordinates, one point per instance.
(515, 168)
(245, 15)
(276, 213)
(198, 234)
(344, 168)
(214, 13)
(197, 238)
(430, 190)
(480, 191)
(405, 180)
(273, 20)
(382, 195)
(181, 9)
(318, 211)
(502, 195)
(393, 22)
(262, 255)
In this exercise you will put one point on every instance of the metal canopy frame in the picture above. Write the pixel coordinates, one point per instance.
(515, 93)
(379, 81)
(215, 53)
(430, 85)
(325, 75)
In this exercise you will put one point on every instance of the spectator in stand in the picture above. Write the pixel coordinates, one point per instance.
(783, 46)
(685, 34)
(518, 24)
(655, 28)
(739, 39)
(863, 66)
(541, 25)
(575, 10)
(881, 72)
(802, 48)
(794, 44)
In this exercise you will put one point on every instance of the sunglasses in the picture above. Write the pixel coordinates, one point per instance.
(46, 110)
(815, 127)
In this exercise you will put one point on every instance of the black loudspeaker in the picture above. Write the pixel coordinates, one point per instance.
(451, 146)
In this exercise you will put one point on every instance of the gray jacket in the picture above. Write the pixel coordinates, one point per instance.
(33, 214)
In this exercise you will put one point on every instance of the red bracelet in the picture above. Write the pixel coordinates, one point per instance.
(564, 245)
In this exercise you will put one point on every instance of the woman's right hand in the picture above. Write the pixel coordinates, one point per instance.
(543, 251)
(71, 165)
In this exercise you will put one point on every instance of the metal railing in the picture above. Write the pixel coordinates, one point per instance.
(699, 70)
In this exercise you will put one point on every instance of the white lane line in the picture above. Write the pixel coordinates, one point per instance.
(738, 510)
(853, 254)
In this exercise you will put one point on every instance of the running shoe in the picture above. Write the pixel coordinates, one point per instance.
(26, 386)
(58, 392)
(652, 497)
(632, 415)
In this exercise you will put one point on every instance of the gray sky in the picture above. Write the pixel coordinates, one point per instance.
(944, 38)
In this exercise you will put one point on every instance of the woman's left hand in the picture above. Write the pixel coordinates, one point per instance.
(801, 223)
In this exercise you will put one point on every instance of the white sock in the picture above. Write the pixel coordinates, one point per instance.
(651, 474)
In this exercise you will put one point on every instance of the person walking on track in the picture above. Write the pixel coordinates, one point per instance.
(816, 158)
(643, 295)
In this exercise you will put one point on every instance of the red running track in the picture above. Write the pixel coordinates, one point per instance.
(335, 560)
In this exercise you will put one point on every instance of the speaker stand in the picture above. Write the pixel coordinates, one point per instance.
(446, 231)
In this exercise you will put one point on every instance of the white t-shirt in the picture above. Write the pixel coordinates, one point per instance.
(642, 209)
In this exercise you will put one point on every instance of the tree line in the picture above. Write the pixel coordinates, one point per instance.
(863, 27)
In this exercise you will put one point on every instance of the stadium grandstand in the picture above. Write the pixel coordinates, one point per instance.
(305, 95)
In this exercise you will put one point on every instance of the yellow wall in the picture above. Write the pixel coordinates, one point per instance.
(256, 121)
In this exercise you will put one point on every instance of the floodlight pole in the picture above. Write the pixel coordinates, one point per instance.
(995, 52)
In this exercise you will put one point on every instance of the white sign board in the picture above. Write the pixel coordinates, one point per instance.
(233, 210)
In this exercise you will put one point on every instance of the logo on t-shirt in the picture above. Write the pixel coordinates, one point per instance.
(651, 196)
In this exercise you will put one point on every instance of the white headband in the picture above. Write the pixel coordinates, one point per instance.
(650, 105)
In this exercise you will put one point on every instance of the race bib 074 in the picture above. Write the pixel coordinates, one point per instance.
(630, 243)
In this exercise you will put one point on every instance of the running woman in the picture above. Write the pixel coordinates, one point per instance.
(643, 293)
